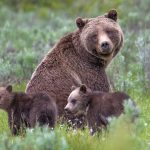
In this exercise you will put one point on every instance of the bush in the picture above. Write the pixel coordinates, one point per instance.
(129, 71)
(25, 41)
(36, 139)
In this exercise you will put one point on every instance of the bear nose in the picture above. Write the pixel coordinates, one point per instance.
(66, 110)
(105, 45)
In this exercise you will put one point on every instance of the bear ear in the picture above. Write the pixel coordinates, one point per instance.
(83, 88)
(73, 88)
(80, 22)
(9, 88)
(112, 14)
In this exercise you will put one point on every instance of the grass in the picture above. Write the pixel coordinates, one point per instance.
(23, 44)
(121, 134)
(23, 49)
(3, 122)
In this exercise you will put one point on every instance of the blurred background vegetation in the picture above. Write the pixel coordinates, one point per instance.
(29, 28)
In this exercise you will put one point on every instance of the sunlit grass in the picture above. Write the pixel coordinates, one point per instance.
(3, 122)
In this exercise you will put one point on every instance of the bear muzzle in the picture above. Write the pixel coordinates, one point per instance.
(105, 48)
(67, 109)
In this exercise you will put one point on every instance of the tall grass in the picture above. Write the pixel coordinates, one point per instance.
(121, 134)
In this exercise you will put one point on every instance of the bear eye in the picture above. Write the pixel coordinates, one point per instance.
(109, 32)
(73, 101)
(94, 37)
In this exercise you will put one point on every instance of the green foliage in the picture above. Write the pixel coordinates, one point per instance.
(3, 122)
(19, 87)
(129, 10)
(121, 134)
(25, 41)
(129, 71)
(34, 27)
(37, 139)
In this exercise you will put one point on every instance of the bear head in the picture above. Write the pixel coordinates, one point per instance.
(78, 100)
(102, 36)
(5, 97)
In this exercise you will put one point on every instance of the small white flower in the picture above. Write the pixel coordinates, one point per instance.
(145, 124)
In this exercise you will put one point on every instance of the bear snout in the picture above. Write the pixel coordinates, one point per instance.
(67, 110)
(105, 47)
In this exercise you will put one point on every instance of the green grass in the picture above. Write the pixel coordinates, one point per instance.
(121, 134)
(27, 37)
(3, 122)
(25, 41)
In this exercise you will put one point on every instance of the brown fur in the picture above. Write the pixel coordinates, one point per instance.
(97, 105)
(26, 110)
(77, 58)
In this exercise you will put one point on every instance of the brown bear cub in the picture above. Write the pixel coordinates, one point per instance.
(97, 106)
(26, 110)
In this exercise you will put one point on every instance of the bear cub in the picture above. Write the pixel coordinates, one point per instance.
(97, 106)
(26, 110)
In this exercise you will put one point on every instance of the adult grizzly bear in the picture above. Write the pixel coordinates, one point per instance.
(79, 57)
(98, 106)
(25, 110)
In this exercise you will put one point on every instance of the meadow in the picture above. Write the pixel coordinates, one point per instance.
(28, 31)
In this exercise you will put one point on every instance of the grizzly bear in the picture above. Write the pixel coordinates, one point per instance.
(79, 57)
(26, 110)
(97, 106)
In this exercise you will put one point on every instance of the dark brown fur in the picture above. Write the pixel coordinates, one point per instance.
(103, 105)
(76, 59)
(26, 110)
(97, 105)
